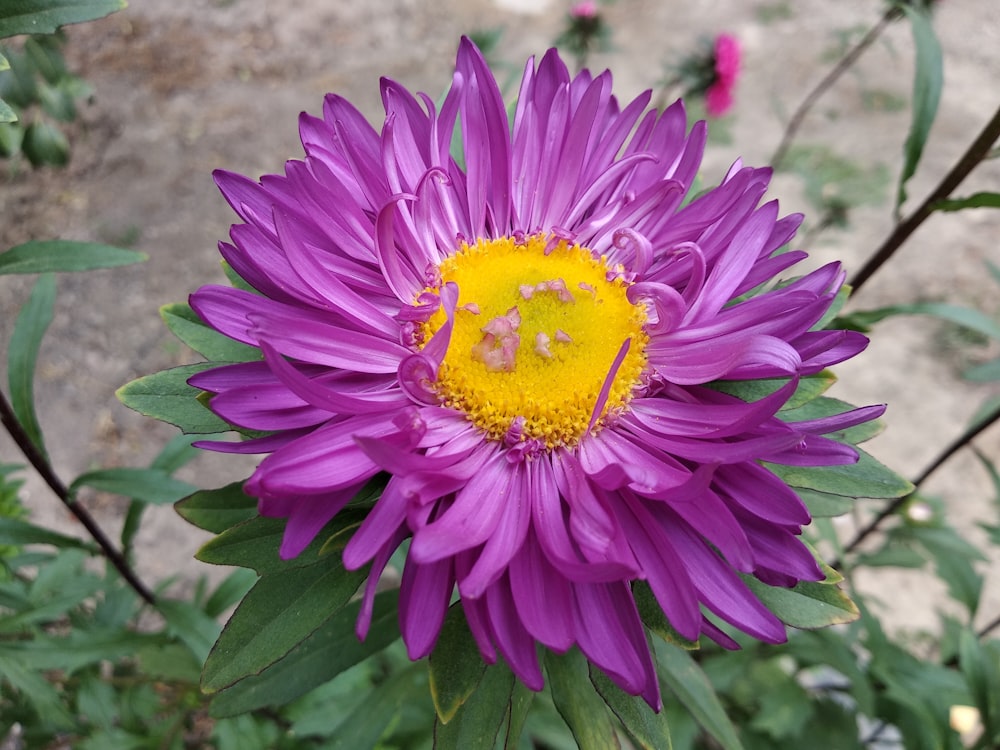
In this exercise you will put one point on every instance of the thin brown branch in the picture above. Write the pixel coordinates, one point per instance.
(45, 470)
(956, 445)
(828, 80)
(977, 151)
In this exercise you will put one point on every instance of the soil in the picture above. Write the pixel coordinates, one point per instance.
(186, 87)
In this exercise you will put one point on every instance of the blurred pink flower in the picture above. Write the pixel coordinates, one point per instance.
(584, 9)
(719, 96)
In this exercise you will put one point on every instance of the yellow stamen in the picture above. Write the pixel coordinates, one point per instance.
(535, 336)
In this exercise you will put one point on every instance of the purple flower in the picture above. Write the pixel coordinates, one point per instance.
(522, 341)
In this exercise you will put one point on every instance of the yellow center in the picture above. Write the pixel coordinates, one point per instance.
(536, 336)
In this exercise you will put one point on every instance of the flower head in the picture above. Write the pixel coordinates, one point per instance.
(719, 96)
(522, 342)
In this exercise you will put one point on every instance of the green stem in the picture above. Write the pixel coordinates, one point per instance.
(976, 152)
(831, 78)
(45, 470)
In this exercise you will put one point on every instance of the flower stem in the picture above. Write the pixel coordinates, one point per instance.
(977, 151)
(956, 445)
(831, 78)
(45, 470)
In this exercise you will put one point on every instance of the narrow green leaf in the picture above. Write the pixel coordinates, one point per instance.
(980, 664)
(175, 454)
(477, 721)
(46, 16)
(653, 617)
(256, 543)
(47, 701)
(80, 648)
(219, 509)
(4, 63)
(456, 666)
(823, 504)
(232, 588)
(928, 81)
(648, 729)
(280, 611)
(6, 113)
(976, 200)
(167, 396)
(322, 656)
(966, 317)
(866, 478)
(381, 709)
(193, 627)
(521, 699)
(152, 486)
(185, 324)
(809, 388)
(22, 354)
(43, 256)
(576, 700)
(984, 373)
(17, 532)
(808, 604)
(688, 682)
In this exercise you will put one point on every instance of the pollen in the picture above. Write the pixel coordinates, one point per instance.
(538, 334)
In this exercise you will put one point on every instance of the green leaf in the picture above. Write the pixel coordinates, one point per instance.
(280, 611)
(688, 682)
(579, 704)
(256, 543)
(521, 700)
(809, 388)
(963, 316)
(190, 625)
(647, 728)
(185, 324)
(976, 200)
(17, 532)
(822, 407)
(381, 709)
(986, 372)
(322, 656)
(80, 649)
(166, 396)
(456, 666)
(46, 700)
(980, 664)
(45, 144)
(654, 619)
(43, 256)
(219, 509)
(45, 53)
(866, 478)
(96, 700)
(823, 504)
(173, 662)
(152, 486)
(232, 588)
(927, 83)
(7, 115)
(11, 137)
(45, 16)
(175, 454)
(809, 604)
(476, 722)
(22, 354)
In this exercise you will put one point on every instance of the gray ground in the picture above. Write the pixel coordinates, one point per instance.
(186, 87)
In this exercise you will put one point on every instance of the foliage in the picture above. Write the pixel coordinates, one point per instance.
(90, 658)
